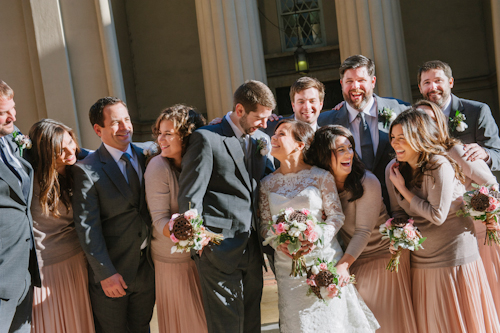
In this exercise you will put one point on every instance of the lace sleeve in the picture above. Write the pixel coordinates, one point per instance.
(331, 203)
(265, 210)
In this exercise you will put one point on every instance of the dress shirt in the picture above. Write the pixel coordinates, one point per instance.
(237, 131)
(371, 117)
(447, 108)
(313, 126)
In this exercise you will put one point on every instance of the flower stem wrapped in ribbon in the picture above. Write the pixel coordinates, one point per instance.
(323, 280)
(483, 204)
(403, 235)
(292, 227)
(187, 232)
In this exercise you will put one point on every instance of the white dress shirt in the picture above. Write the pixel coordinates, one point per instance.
(313, 126)
(447, 108)
(117, 155)
(371, 117)
(237, 131)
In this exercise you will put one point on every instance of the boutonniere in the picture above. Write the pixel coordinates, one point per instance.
(22, 141)
(262, 147)
(458, 122)
(151, 150)
(387, 116)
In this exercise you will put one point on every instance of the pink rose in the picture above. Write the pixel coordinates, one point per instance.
(279, 228)
(173, 238)
(388, 222)
(171, 222)
(410, 233)
(190, 214)
(494, 187)
(411, 221)
(310, 224)
(313, 236)
(484, 190)
(311, 281)
(305, 211)
(332, 290)
(323, 266)
(493, 205)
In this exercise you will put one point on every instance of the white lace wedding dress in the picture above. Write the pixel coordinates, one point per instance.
(315, 190)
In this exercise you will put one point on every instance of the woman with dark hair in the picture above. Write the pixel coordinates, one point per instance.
(476, 172)
(178, 292)
(62, 304)
(449, 285)
(388, 295)
(299, 185)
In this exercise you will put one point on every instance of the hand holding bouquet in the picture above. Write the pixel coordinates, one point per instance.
(323, 280)
(187, 232)
(296, 232)
(403, 235)
(482, 204)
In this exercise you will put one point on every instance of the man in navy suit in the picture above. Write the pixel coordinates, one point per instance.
(18, 264)
(479, 131)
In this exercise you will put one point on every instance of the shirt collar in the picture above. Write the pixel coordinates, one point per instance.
(237, 132)
(369, 110)
(447, 107)
(117, 153)
(313, 126)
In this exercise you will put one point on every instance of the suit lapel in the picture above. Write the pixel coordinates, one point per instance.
(142, 163)
(234, 148)
(114, 173)
(343, 117)
(12, 180)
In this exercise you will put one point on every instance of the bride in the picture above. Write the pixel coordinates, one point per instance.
(299, 185)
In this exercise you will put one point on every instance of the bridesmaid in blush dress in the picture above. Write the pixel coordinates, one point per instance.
(449, 284)
(178, 294)
(62, 304)
(387, 294)
(476, 172)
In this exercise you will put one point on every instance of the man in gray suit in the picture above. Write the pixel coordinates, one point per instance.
(480, 132)
(361, 115)
(18, 264)
(113, 223)
(220, 174)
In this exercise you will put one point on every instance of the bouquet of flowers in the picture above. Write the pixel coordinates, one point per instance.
(323, 280)
(187, 232)
(403, 235)
(482, 204)
(291, 227)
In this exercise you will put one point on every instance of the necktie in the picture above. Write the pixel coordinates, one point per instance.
(247, 150)
(16, 169)
(133, 178)
(365, 138)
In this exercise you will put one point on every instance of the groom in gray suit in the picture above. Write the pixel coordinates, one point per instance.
(113, 223)
(361, 115)
(18, 264)
(220, 174)
(480, 131)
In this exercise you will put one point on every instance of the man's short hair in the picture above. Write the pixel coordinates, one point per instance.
(434, 64)
(304, 83)
(357, 61)
(6, 92)
(96, 111)
(251, 93)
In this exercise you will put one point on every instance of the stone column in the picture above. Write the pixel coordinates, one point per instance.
(495, 17)
(231, 50)
(374, 29)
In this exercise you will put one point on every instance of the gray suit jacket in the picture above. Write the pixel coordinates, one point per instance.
(18, 263)
(215, 181)
(384, 151)
(482, 129)
(110, 225)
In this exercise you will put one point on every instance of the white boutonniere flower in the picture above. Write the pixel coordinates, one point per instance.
(262, 147)
(22, 141)
(151, 150)
(387, 116)
(457, 123)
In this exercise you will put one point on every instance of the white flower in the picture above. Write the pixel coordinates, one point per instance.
(398, 232)
(393, 117)
(315, 270)
(475, 213)
(462, 126)
(264, 151)
(383, 228)
(184, 243)
(301, 226)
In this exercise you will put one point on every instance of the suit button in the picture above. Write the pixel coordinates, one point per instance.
(27, 239)
(140, 234)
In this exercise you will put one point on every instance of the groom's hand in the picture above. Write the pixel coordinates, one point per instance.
(114, 286)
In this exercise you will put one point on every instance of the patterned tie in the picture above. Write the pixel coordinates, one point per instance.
(365, 138)
(16, 169)
(133, 178)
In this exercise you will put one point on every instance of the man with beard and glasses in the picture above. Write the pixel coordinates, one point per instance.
(360, 114)
(478, 130)
(221, 170)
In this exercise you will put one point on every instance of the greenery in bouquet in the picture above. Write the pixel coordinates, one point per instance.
(482, 204)
(323, 280)
(403, 235)
(187, 232)
(293, 227)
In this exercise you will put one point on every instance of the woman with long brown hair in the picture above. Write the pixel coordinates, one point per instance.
(388, 295)
(178, 292)
(62, 304)
(449, 284)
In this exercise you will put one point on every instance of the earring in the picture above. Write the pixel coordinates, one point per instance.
(295, 150)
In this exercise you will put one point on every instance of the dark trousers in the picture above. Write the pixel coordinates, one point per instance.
(232, 301)
(15, 314)
(130, 313)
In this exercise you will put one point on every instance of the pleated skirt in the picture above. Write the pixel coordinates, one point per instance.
(387, 294)
(453, 299)
(178, 298)
(62, 304)
(491, 261)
